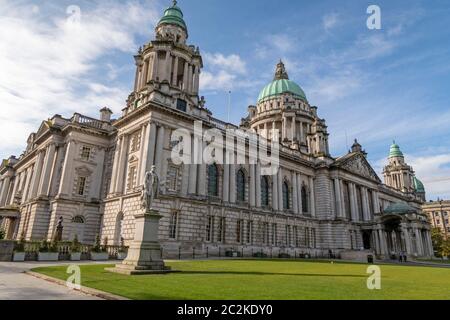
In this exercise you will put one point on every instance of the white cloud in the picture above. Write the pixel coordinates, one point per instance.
(434, 172)
(50, 65)
(232, 63)
(329, 21)
(224, 73)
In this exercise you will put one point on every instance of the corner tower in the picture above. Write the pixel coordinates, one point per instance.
(400, 176)
(168, 69)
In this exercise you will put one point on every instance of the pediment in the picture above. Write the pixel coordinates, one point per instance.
(359, 165)
(42, 129)
(83, 171)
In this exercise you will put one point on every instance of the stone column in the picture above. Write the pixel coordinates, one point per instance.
(151, 148)
(26, 186)
(226, 182)
(275, 192)
(233, 183)
(155, 66)
(185, 76)
(4, 192)
(37, 174)
(145, 73)
(407, 238)
(190, 79)
(258, 184)
(193, 167)
(312, 197)
(112, 187)
(122, 168)
(142, 153)
(15, 187)
(295, 193)
(159, 151)
(293, 128)
(280, 190)
(353, 207)
(419, 243)
(252, 188)
(299, 193)
(202, 172)
(430, 243)
(66, 183)
(196, 79)
(175, 73)
(365, 204)
(48, 165)
(337, 193)
(376, 207)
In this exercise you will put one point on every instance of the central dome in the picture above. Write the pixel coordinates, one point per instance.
(281, 84)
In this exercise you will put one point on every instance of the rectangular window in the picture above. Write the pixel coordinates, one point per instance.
(86, 153)
(172, 178)
(307, 243)
(81, 186)
(239, 230)
(274, 234)
(173, 225)
(210, 229)
(265, 233)
(181, 105)
(249, 232)
(295, 231)
(288, 236)
(221, 231)
(132, 177)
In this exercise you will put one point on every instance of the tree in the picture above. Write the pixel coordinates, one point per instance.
(438, 240)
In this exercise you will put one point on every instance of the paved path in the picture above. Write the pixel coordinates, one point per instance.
(16, 285)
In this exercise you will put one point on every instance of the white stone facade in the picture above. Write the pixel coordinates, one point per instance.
(90, 172)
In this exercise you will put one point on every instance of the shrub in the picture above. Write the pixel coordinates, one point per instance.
(2, 234)
(44, 247)
(76, 245)
(20, 245)
(97, 246)
(122, 245)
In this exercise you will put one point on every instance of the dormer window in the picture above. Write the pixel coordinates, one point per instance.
(181, 105)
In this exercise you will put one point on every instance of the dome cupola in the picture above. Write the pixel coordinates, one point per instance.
(280, 85)
(172, 24)
(395, 151)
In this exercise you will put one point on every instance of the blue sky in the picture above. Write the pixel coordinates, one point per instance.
(374, 85)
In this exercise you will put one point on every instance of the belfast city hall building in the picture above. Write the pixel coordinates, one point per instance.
(90, 173)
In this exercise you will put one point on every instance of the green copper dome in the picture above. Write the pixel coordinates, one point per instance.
(173, 15)
(395, 151)
(418, 185)
(281, 84)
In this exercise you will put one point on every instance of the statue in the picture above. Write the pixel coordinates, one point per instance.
(150, 192)
(59, 230)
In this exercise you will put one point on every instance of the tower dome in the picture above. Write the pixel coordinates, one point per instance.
(280, 85)
(418, 185)
(173, 15)
(395, 151)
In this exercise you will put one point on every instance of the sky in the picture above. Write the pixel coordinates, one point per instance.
(61, 57)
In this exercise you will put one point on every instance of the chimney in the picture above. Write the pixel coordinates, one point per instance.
(105, 114)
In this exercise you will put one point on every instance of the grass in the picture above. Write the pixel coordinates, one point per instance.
(267, 280)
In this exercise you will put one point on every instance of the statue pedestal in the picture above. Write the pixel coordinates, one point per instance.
(144, 254)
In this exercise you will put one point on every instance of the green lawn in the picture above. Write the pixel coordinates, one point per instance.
(267, 280)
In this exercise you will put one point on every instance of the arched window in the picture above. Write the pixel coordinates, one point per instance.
(286, 200)
(264, 191)
(213, 181)
(240, 183)
(304, 200)
(77, 228)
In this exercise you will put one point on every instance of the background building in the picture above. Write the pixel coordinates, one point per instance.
(439, 215)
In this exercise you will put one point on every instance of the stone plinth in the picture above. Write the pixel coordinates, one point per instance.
(144, 255)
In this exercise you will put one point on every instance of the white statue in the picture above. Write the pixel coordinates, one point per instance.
(150, 192)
